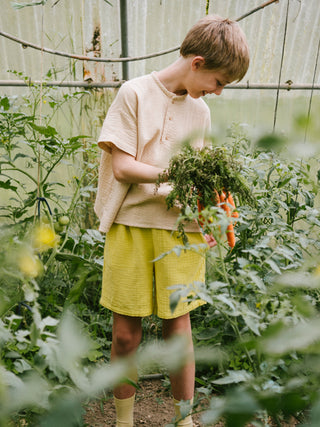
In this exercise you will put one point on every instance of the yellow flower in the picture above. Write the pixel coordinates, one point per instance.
(44, 238)
(29, 265)
(258, 304)
(317, 271)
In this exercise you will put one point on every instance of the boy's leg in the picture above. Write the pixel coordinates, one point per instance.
(126, 337)
(182, 382)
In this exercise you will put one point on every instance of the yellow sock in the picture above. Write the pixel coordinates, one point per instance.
(124, 410)
(187, 421)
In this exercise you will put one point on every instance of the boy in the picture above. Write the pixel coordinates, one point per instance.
(145, 125)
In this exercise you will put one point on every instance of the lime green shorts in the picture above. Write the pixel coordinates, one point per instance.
(134, 285)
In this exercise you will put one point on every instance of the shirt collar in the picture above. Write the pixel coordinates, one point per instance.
(169, 94)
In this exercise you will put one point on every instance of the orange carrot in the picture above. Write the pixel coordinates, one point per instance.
(223, 201)
(231, 202)
(230, 232)
(230, 236)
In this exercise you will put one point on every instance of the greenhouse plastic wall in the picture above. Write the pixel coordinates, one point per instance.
(283, 40)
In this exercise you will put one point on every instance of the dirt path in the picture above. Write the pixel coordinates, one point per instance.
(153, 408)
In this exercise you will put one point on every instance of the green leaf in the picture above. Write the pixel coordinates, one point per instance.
(21, 365)
(290, 338)
(226, 300)
(77, 289)
(34, 333)
(76, 138)
(44, 130)
(177, 250)
(185, 408)
(234, 377)
(251, 320)
(216, 410)
(214, 286)
(48, 321)
(283, 182)
(5, 103)
(315, 414)
(253, 252)
(67, 412)
(207, 334)
(93, 236)
(271, 142)
(299, 279)
(174, 301)
(20, 155)
(241, 406)
(205, 297)
(273, 265)
(33, 391)
(94, 355)
(7, 185)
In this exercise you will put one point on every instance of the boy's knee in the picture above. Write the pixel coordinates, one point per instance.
(126, 342)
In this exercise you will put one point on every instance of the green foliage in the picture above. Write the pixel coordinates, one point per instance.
(196, 175)
(264, 294)
(199, 176)
(49, 260)
(257, 339)
(30, 156)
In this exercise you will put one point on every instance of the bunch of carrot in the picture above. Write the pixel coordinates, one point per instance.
(224, 200)
(205, 177)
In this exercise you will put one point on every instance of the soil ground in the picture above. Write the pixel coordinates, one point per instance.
(153, 408)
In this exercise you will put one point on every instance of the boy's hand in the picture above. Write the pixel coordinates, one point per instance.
(210, 240)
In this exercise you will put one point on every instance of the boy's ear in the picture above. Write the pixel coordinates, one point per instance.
(197, 62)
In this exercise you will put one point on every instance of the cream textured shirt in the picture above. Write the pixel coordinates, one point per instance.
(150, 123)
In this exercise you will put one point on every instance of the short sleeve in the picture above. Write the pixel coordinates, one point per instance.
(120, 125)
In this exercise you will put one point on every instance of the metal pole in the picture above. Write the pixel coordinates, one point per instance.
(124, 38)
(275, 86)
(115, 84)
(86, 85)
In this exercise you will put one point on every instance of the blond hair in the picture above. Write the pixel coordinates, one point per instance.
(222, 44)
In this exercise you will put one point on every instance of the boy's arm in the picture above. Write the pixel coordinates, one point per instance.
(127, 169)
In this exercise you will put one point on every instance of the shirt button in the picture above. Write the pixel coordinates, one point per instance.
(170, 118)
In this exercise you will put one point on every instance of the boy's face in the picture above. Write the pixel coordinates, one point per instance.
(204, 81)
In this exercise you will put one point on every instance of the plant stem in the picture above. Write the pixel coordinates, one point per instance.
(14, 168)
(54, 164)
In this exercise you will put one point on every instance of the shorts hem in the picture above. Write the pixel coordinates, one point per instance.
(174, 315)
(123, 312)
(179, 313)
